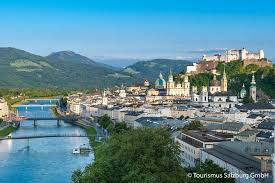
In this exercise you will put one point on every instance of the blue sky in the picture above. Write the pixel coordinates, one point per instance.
(137, 28)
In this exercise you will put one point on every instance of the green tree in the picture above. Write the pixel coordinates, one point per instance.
(105, 121)
(247, 100)
(263, 100)
(210, 168)
(137, 155)
(194, 125)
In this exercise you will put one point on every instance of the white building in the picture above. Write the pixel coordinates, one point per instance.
(178, 89)
(243, 158)
(4, 109)
(191, 142)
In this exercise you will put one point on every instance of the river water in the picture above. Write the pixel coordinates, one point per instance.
(48, 160)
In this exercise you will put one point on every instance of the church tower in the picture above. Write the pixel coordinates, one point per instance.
(170, 84)
(204, 94)
(104, 99)
(243, 92)
(253, 89)
(224, 81)
(186, 86)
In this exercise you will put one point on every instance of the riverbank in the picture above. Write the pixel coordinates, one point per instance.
(55, 112)
(6, 131)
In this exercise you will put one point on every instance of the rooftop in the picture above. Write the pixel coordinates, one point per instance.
(255, 106)
(204, 136)
(244, 162)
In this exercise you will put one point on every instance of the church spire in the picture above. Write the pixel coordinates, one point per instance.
(170, 77)
(160, 75)
(224, 80)
(253, 89)
(224, 73)
(253, 82)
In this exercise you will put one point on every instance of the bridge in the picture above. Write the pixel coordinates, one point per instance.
(42, 99)
(34, 105)
(68, 119)
(47, 136)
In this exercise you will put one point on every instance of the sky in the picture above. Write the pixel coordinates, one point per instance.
(138, 29)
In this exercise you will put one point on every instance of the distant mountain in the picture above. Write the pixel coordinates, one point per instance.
(150, 69)
(70, 56)
(19, 68)
(117, 62)
(67, 69)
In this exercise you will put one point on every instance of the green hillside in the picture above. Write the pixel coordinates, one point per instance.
(19, 68)
(237, 75)
(67, 69)
(150, 69)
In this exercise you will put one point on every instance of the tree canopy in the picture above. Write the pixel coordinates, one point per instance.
(140, 155)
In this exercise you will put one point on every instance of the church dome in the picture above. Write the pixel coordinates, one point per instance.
(160, 82)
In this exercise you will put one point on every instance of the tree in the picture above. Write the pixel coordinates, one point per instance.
(263, 100)
(247, 100)
(208, 167)
(105, 121)
(194, 125)
(138, 155)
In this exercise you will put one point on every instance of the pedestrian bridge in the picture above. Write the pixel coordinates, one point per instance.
(47, 136)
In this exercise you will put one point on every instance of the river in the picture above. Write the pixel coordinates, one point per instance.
(48, 160)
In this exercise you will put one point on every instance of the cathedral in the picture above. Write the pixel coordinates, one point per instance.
(173, 88)
(218, 86)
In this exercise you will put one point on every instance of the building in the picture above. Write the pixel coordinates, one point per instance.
(146, 83)
(215, 99)
(191, 142)
(160, 82)
(253, 89)
(230, 127)
(75, 107)
(4, 109)
(243, 158)
(160, 122)
(178, 89)
(104, 99)
(243, 92)
(232, 55)
(218, 86)
(256, 107)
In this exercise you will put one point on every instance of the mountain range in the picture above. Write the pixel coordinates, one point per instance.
(67, 69)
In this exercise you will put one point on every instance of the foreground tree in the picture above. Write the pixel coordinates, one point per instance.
(141, 155)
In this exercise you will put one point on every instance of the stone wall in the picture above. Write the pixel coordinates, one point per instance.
(260, 63)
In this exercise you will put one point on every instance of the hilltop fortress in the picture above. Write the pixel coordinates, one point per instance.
(231, 55)
(209, 63)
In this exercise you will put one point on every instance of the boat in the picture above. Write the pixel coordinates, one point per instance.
(76, 150)
(83, 149)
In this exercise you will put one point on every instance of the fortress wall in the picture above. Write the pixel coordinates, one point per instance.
(260, 63)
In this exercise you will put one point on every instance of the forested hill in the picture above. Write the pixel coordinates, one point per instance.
(67, 69)
(150, 69)
(19, 68)
(237, 75)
